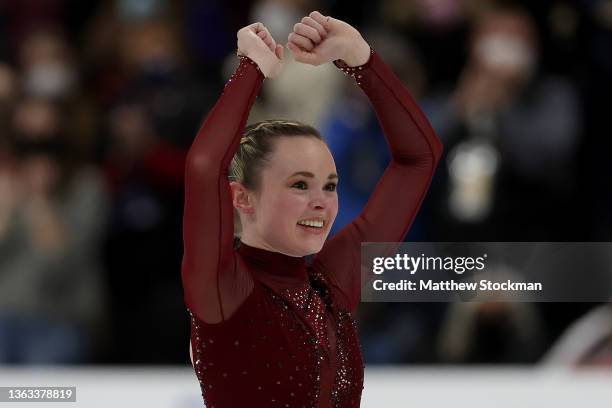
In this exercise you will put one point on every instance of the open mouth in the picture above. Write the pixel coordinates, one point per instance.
(315, 225)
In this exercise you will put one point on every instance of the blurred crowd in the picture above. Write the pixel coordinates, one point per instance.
(100, 100)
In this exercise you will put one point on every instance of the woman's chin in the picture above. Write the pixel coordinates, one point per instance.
(311, 246)
(309, 243)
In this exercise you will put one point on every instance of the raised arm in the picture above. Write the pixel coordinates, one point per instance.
(415, 151)
(208, 226)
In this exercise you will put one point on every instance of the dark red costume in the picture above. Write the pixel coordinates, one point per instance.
(284, 333)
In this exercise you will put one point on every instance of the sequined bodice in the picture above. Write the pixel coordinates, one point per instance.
(289, 347)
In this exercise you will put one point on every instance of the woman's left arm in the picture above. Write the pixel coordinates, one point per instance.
(415, 151)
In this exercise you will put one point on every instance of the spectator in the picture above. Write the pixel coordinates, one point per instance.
(52, 214)
(512, 135)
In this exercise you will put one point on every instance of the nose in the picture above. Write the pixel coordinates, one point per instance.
(318, 200)
(318, 206)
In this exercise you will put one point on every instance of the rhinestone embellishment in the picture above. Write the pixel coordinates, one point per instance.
(354, 72)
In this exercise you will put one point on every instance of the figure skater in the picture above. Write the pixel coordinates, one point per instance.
(268, 328)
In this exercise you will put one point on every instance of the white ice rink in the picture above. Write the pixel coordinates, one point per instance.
(384, 387)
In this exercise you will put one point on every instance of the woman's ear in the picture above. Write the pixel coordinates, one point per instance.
(241, 198)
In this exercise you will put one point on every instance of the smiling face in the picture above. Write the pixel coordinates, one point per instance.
(298, 186)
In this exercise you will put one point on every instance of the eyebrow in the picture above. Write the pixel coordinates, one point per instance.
(332, 176)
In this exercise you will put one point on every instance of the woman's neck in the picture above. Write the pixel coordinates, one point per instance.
(258, 242)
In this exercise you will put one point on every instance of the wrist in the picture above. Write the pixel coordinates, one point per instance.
(357, 53)
(266, 64)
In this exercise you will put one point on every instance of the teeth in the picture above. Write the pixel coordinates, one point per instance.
(312, 223)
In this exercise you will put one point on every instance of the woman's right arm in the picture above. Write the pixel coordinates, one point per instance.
(208, 226)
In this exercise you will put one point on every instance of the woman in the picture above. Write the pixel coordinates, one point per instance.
(268, 329)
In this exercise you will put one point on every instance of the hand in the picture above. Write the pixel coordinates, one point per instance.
(318, 39)
(256, 42)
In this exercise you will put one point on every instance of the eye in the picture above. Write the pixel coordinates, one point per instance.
(331, 186)
(300, 185)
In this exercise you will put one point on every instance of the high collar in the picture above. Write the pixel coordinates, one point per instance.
(276, 266)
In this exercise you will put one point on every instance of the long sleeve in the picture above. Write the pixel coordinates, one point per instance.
(208, 225)
(392, 207)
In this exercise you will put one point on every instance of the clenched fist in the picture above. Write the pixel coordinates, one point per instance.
(256, 42)
(318, 39)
